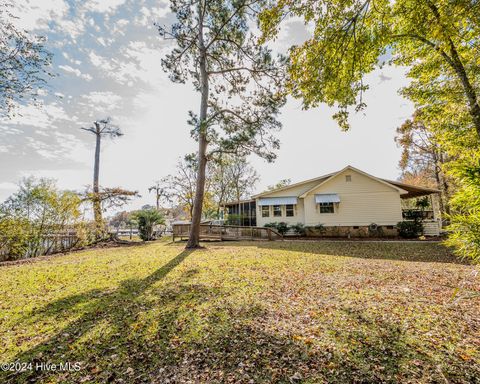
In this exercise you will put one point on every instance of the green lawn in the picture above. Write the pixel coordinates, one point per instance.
(311, 312)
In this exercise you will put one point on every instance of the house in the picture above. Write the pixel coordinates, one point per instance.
(349, 202)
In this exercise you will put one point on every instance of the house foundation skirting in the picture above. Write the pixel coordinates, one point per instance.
(352, 231)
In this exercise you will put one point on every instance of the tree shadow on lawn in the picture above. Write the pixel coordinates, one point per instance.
(116, 310)
(143, 333)
(408, 251)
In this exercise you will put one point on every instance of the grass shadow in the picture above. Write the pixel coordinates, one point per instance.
(184, 331)
(104, 324)
(413, 251)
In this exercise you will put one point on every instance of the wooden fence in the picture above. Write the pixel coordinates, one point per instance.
(49, 244)
(227, 232)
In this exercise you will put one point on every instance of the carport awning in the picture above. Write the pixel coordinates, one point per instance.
(327, 198)
(277, 200)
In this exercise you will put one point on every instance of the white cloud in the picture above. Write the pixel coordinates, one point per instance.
(147, 61)
(76, 72)
(71, 59)
(149, 15)
(100, 62)
(43, 117)
(71, 28)
(5, 148)
(9, 130)
(102, 6)
(136, 62)
(119, 27)
(7, 185)
(100, 103)
(36, 15)
(102, 41)
(102, 97)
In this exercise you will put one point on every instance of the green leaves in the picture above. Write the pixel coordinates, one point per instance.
(146, 220)
(24, 63)
(241, 82)
(437, 39)
(30, 218)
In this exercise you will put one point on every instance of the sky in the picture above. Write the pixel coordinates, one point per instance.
(107, 57)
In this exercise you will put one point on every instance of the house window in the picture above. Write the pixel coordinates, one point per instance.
(289, 210)
(277, 211)
(348, 178)
(326, 208)
(265, 211)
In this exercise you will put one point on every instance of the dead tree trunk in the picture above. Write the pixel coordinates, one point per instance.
(97, 208)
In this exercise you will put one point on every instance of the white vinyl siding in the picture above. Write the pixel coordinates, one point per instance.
(363, 201)
(298, 216)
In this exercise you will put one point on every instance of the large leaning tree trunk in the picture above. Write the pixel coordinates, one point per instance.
(238, 81)
(100, 128)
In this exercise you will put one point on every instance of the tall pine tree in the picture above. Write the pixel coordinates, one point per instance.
(238, 80)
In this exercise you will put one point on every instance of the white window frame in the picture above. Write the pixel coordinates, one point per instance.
(262, 211)
(320, 205)
(293, 210)
(273, 210)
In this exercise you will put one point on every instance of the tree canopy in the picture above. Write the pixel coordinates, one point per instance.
(439, 40)
(24, 63)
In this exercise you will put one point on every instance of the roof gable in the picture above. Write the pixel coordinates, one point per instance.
(303, 188)
(349, 167)
(290, 189)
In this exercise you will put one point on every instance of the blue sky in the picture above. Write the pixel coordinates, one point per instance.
(107, 56)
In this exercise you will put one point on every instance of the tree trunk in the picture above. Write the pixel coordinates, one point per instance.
(456, 63)
(444, 185)
(97, 208)
(438, 183)
(474, 107)
(194, 236)
(219, 205)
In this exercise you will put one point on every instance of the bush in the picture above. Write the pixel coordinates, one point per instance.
(464, 228)
(34, 218)
(281, 227)
(146, 220)
(410, 229)
(299, 229)
(412, 214)
(14, 238)
(234, 219)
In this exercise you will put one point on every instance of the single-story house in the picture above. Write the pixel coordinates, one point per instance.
(343, 203)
